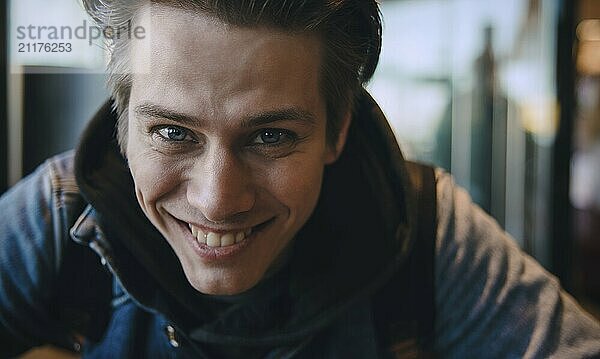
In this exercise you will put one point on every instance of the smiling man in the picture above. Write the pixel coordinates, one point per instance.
(244, 142)
(253, 203)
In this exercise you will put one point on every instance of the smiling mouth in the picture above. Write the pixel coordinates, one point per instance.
(224, 239)
(215, 240)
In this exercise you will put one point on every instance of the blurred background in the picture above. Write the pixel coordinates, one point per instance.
(504, 94)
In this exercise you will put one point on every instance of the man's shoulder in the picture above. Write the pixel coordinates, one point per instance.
(61, 170)
(66, 196)
(56, 171)
(50, 190)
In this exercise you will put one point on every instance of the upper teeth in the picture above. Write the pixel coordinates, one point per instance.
(212, 239)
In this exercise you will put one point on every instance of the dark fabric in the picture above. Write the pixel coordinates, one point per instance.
(83, 292)
(426, 238)
(404, 308)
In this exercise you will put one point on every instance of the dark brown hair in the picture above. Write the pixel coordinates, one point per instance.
(350, 31)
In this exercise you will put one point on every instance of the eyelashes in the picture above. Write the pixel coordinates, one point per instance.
(172, 133)
(273, 137)
(273, 142)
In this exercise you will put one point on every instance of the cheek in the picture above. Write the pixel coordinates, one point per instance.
(151, 180)
(298, 186)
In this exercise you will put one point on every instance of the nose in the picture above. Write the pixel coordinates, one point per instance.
(220, 186)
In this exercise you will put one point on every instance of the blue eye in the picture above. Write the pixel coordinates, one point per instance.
(173, 133)
(274, 137)
(270, 136)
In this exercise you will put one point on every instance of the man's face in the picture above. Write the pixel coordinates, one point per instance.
(226, 143)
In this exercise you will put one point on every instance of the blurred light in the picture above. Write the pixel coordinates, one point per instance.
(588, 58)
(589, 30)
(540, 118)
(588, 55)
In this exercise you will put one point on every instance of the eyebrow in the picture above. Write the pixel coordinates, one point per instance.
(149, 110)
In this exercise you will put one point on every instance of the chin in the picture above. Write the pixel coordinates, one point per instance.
(221, 285)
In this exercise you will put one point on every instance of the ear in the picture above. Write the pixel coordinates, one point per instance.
(334, 152)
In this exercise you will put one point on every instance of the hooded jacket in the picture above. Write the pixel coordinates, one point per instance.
(318, 302)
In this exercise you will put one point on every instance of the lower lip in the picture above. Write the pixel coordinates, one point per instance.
(215, 254)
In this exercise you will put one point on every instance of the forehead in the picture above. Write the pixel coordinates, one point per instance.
(195, 62)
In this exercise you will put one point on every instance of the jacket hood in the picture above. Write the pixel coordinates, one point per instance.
(361, 225)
